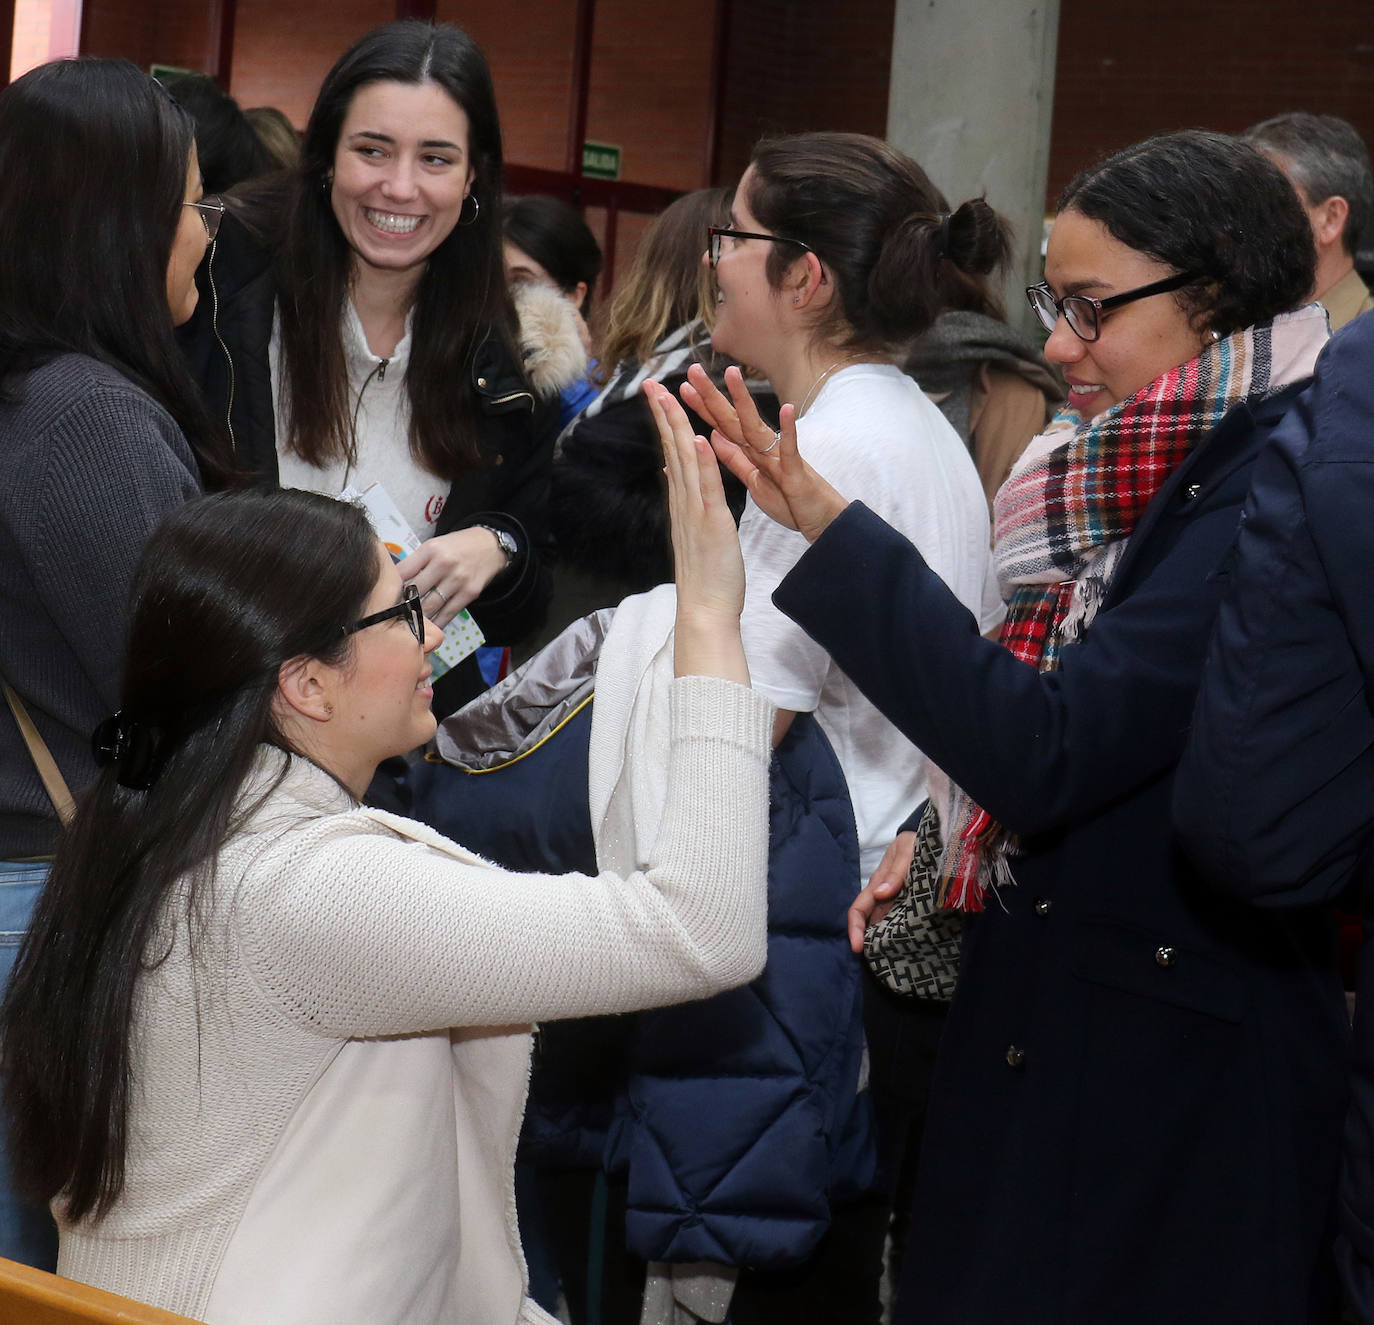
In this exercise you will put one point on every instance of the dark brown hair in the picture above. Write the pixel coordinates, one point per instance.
(212, 619)
(881, 229)
(461, 297)
(93, 154)
(1206, 203)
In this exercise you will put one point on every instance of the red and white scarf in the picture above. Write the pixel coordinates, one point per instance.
(1064, 516)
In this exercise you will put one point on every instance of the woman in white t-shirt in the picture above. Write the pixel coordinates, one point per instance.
(838, 253)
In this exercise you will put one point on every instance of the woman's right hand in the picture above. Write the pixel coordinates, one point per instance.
(708, 565)
(883, 889)
(781, 483)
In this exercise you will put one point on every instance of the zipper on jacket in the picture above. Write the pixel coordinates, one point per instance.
(379, 372)
(514, 395)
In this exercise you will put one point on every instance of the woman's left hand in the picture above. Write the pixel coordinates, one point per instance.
(707, 564)
(450, 570)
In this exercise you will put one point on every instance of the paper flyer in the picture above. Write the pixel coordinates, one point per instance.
(462, 635)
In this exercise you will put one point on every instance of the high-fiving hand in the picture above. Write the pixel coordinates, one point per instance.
(781, 483)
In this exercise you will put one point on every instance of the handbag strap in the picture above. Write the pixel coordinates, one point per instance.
(53, 781)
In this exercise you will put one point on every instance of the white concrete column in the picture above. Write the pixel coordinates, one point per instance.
(971, 95)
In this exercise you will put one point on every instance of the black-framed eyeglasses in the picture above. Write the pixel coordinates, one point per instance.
(715, 233)
(1083, 313)
(211, 211)
(409, 607)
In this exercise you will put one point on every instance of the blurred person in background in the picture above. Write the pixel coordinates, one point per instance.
(548, 243)
(229, 149)
(277, 134)
(1327, 163)
(989, 381)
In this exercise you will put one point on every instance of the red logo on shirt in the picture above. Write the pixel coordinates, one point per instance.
(433, 507)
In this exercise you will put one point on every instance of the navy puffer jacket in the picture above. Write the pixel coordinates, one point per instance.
(736, 1120)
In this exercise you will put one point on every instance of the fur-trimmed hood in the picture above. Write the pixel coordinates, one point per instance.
(550, 340)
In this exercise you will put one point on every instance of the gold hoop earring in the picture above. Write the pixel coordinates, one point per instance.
(476, 211)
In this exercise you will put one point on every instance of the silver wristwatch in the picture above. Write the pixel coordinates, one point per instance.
(505, 540)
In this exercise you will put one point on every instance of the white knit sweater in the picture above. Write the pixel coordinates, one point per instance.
(310, 1142)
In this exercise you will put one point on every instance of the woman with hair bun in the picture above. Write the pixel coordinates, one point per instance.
(1136, 1113)
(834, 259)
(831, 263)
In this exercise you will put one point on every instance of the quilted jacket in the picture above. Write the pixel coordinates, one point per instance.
(739, 1119)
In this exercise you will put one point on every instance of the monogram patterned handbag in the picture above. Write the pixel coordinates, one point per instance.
(914, 949)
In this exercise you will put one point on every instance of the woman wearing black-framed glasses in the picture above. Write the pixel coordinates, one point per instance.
(1133, 1060)
(839, 252)
(250, 997)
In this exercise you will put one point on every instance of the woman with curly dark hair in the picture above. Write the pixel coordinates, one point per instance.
(1136, 1111)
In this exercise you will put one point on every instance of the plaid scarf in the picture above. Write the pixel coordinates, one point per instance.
(1064, 516)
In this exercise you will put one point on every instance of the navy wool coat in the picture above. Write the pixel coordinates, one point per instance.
(1275, 796)
(1134, 1109)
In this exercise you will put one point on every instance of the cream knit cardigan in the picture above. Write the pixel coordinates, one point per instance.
(310, 1142)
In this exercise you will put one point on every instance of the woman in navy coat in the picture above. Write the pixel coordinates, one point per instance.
(1134, 1108)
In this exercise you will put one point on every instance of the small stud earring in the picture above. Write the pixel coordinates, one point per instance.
(1215, 334)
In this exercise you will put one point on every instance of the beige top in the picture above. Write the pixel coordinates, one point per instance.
(1347, 299)
(310, 1142)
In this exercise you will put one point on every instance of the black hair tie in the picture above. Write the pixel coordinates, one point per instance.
(942, 243)
(133, 747)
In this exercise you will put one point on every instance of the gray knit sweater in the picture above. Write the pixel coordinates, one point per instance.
(89, 465)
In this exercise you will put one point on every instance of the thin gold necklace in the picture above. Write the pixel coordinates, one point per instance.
(824, 377)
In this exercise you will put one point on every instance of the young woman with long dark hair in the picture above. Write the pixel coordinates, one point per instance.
(102, 224)
(264, 1047)
(362, 330)
(1137, 1109)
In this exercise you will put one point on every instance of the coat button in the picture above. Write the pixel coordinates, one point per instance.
(1042, 906)
(481, 381)
(1164, 956)
(1015, 1057)
(1191, 491)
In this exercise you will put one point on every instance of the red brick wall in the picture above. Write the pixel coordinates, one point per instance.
(528, 44)
(147, 31)
(798, 65)
(283, 51)
(1141, 67)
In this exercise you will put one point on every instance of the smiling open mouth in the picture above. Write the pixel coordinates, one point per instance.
(395, 223)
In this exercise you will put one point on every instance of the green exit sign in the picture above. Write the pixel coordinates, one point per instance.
(601, 160)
